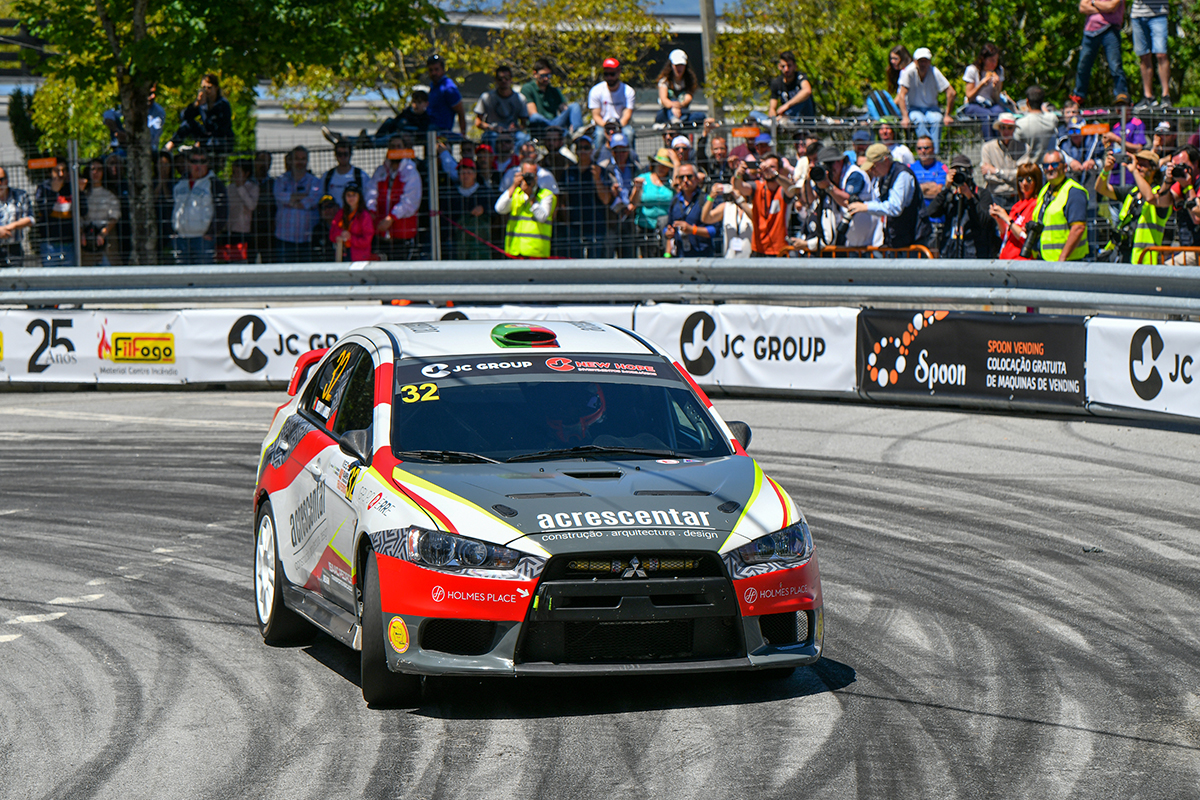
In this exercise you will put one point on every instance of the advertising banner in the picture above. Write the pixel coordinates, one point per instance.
(213, 345)
(1019, 358)
(757, 347)
(1144, 365)
(84, 346)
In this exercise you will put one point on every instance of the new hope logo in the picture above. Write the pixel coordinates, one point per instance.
(1145, 348)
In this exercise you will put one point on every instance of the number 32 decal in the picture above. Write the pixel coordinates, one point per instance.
(412, 393)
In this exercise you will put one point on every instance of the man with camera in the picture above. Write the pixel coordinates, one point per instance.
(843, 182)
(968, 231)
(1145, 209)
(687, 229)
(1058, 229)
(899, 199)
(530, 210)
(1184, 169)
(768, 196)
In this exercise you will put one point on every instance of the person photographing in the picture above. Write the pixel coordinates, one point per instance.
(530, 211)
(967, 231)
(1145, 209)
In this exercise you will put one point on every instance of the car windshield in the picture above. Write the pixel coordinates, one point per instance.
(524, 410)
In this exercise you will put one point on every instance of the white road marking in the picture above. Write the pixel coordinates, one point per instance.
(8, 637)
(12, 511)
(30, 618)
(87, 416)
(97, 582)
(162, 550)
(70, 601)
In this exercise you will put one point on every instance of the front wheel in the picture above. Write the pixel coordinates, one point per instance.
(277, 623)
(381, 687)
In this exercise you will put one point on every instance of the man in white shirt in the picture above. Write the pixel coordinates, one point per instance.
(611, 100)
(1037, 128)
(917, 97)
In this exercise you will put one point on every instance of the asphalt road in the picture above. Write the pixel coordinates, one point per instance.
(1011, 611)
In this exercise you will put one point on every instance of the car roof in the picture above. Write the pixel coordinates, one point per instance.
(446, 338)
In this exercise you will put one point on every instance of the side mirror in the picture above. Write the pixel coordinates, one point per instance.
(356, 444)
(741, 432)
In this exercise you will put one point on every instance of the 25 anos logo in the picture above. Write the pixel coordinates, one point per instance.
(1145, 348)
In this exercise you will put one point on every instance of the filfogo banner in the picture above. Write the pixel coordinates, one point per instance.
(86, 346)
(757, 347)
(1018, 358)
(1144, 365)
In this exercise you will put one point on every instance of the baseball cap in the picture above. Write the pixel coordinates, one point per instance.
(1006, 118)
(1163, 127)
(612, 63)
(762, 138)
(467, 163)
(681, 141)
(433, 59)
(828, 155)
(960, 161)
(678, 57)
(1075, 125)
(861, 136)
(618, 140)
(877, 152)
(922, 52)
(1147, 155)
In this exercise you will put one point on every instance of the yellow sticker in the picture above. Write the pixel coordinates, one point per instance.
(820, 637)
(398, 634)
(1, 345)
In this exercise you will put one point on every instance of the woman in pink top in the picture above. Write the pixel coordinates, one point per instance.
(243, 199)
(353, 225)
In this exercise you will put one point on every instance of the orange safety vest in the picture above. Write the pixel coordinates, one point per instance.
(770, 220)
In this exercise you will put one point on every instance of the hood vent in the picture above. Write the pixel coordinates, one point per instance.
(670, 493)
(595, 475)
(729, 507)
(504, 510)
(544, 495)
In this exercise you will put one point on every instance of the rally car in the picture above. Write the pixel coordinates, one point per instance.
(474, 498)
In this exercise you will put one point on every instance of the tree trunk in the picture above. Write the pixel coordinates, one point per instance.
(135, 105)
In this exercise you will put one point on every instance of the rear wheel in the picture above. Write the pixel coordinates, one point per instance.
(381, 687)
(277, 623)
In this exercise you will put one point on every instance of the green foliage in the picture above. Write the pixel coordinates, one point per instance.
(62, 111)
(20, 119)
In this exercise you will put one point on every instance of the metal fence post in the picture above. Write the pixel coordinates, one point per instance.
(73, 178)
(435, 219)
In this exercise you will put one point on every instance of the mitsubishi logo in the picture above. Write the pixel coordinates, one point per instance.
(635, 569)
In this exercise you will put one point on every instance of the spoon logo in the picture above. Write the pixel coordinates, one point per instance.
(888, 359)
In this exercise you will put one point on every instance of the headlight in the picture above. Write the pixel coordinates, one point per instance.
(782, 549)
(447, 551)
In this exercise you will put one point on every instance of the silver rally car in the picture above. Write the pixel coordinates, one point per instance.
(482, 498)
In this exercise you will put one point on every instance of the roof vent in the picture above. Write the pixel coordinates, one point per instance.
(596, 475)
(729, 507)
(504, 510)
(512, 334)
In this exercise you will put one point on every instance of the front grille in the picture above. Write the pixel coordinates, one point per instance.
(637, 641)
(459, 637)
(780, 630)
(583, 615)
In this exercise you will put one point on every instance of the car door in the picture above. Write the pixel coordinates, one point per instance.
(324, 512)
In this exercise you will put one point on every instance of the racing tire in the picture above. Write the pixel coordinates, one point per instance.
(381, 687)
(278, 624)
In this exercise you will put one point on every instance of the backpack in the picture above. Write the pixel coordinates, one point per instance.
(880, 105)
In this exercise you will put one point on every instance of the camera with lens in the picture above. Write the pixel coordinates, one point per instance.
(818, 173)
(1033, 237)
(1190, 204)
(1180, 173)
(1121, 156)
(843, 226)
(961, 178)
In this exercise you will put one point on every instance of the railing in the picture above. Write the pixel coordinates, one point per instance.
(1166, 249)
(912, 251)
(1157, 289)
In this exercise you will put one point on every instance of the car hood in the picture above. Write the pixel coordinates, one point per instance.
(587, 505)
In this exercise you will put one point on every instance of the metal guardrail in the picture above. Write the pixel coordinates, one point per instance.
(1078, 285)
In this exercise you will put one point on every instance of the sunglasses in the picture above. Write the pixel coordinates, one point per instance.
(1051, 166)
(1026, 179)
(609, 74)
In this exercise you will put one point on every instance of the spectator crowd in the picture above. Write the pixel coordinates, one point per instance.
(535, 177)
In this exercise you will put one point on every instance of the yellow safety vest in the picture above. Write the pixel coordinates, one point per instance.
(525, 236)
(1149, 229)
(1053, 216)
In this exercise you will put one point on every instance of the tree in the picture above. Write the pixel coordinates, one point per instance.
(137, 43)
